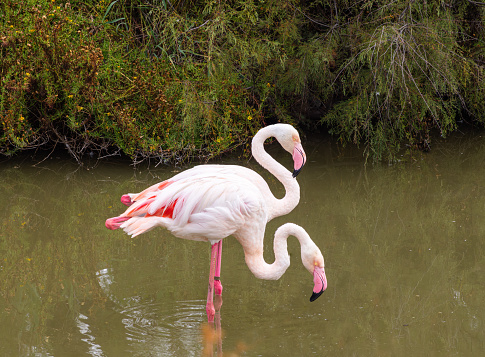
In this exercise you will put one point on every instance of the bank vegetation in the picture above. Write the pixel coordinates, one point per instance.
(190, 79)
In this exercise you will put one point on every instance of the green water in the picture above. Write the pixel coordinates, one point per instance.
(403, 245)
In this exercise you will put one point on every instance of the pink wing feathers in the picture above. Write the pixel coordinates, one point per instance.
(198, 207)
(129, 198)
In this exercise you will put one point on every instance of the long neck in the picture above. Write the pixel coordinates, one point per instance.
(254, 256)
(292, 189)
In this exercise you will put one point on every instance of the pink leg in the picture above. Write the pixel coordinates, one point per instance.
(210, 293)
(217, 277)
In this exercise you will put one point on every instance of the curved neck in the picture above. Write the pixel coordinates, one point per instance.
(292, 189)
(262, 270)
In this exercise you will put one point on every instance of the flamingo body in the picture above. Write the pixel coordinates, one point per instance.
(212, 202)
(204, 207)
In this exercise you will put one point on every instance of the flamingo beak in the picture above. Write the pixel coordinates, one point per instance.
(320, 281)
(299, 158)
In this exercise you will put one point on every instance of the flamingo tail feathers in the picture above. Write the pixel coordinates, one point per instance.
(115, 222)
(134, 226)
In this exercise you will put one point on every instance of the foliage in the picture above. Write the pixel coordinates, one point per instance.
(76, 81)
(408, 71)
(174, 80)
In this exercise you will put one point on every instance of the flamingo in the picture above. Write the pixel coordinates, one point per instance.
(211, 202)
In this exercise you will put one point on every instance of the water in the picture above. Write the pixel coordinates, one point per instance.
(403, 245)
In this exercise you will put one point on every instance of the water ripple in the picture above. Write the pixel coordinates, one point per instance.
(162, 327)
(149, 318)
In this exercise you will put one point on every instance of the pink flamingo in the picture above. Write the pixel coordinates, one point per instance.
(211, 202)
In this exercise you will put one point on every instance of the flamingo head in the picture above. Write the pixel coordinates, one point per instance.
(299, 158)
(319, 281)
(289, 139)
(312, 259)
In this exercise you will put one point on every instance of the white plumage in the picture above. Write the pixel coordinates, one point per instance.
(212, 202)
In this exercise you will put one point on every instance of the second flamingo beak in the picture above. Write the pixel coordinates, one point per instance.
(299, 158)
(320, 281)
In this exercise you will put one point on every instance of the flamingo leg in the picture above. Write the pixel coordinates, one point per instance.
(210, 293)
(217, 277)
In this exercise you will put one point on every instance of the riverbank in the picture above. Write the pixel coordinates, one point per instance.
(177, 82)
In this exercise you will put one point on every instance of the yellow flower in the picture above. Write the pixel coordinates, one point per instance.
(250, 117)
(69, 96)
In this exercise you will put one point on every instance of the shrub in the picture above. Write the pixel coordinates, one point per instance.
(406, 74)
(179, 80)
(86, 85)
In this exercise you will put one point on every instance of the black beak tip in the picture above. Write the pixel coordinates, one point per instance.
(315, 296)
(296, 172)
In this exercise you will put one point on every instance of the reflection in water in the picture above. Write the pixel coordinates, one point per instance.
(212, 336)
(212, 332)
(82, 323)
(148, 323)
(403, 244)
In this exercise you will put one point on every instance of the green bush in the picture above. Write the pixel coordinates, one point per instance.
(176, 80)
(407, 72)
(91, 86)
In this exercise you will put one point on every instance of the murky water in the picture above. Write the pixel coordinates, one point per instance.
(404, 247)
